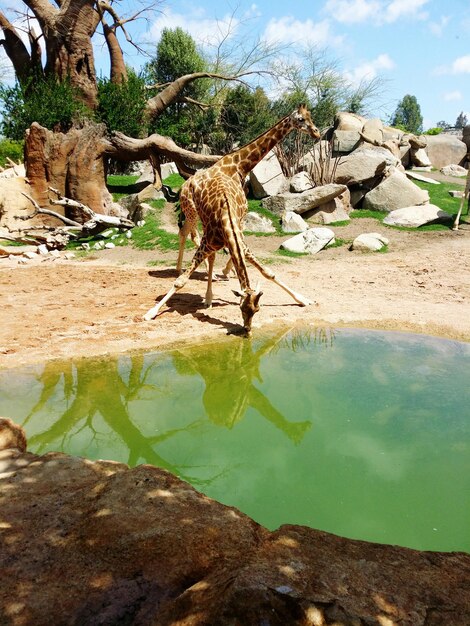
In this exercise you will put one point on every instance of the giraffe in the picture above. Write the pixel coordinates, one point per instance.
(217, 196)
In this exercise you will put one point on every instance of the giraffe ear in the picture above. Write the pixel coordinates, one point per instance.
(239, 294)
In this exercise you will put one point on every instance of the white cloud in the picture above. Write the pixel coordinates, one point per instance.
(437, 28)
(287, 30)
(202, 28)
(370, 69)
(378, 12)
(452, 95)
(461, 65)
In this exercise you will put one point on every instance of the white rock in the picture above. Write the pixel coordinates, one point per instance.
(99, 245)
(415, 216)
(167, 169)
(420, 158)
(69, 255)
(293, 223)
(128, 234)
(369, 241)
(256, 223)
(305, 201)
(55, 254)
(309, 242)
(300, 182)
(425, 179)
(31, 255)
(109, 245)
(43, 249)
(454, 170)
(85, 246)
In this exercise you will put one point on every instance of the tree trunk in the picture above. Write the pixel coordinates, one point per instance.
(73, 163)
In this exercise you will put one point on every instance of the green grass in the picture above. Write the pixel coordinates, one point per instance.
(439, 195)
(174, 181)
(361, 213)
(151, 235)
(291, 255)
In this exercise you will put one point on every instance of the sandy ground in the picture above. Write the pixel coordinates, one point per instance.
(59, 309)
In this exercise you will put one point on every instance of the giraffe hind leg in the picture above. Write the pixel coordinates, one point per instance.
(271, 276)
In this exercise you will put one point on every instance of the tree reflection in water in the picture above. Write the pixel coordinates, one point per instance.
(106, 389)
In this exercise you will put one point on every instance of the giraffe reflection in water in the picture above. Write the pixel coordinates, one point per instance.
(229, 372)
(82, 395)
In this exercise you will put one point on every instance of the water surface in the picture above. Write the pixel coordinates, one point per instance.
(364, 434)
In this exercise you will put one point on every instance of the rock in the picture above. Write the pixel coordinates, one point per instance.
(394, 192)
(415, 216)
(167, 169)
(31, 255)
(445, 149)
(43, 249)
(454, 170)
(394, 134)
(14, 172)
(357, 196)
(456, 193)
(305, 201)
(256, 223)
(359, 166)
(415, 142)
(87, 543)
(110, 245)
(309, 242)
(293, 223)
(147, 175)
(11, 435)
(345, 141)
(466, 136)
(369, 242)
(420, 158)
(349, 121)
(267, 178)
(335, 210)
(300, 182)
(424, 179)
(372, 131)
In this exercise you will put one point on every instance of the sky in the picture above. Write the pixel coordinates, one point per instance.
(416, 47)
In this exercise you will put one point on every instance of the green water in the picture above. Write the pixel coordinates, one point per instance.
(363, 434)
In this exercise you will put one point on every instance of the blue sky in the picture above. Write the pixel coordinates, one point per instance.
(420, 47)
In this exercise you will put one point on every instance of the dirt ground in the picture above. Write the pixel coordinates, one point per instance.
(57, 308)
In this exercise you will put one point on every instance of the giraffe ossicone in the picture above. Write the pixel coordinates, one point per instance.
(216, 196)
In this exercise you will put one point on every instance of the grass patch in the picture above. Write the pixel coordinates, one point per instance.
(362, 213)
(291, 255)
(151, 235)
(439, 195)
(175, 181)
(338, 243)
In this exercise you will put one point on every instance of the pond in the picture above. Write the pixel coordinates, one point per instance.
(361, 433)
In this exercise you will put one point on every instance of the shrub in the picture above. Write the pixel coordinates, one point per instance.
(10, 149)
(433, 131)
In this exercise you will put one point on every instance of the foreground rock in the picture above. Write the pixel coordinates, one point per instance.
(370, 242)
(88, 543)
(310, 241)
(395, 192)
(415, 216)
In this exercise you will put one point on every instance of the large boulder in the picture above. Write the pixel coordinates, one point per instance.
(395, 192)
(293, 223)
(335, 210)
(415, 216)
(349, 121)
(372, 131)
(302, 202)
(267, 177)
(420, 157)
(445, 149)
(362, 165)
(466, 137)
(300, 182)
(345, 141)
(256, 223)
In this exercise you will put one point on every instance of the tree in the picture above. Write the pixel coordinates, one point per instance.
(443, 124)
(408, 115)
(461, 121)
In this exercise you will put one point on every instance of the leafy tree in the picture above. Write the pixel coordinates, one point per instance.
(443, 125)
(51, 103)
(245, 114)
(176, 56)
(461, 120)
(121, 106)
(408, 115)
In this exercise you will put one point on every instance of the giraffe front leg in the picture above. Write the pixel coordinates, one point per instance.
(199, 257)
(271, 276)
(209, 294)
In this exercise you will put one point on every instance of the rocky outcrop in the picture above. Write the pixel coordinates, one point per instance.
(445, 149)
(87, 543)
(395, 192)
(305, 201)
(267, 178)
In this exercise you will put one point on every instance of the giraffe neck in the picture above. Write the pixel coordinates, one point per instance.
(245, 159)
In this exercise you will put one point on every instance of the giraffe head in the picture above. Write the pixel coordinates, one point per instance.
(302, 120)
(249, 305)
